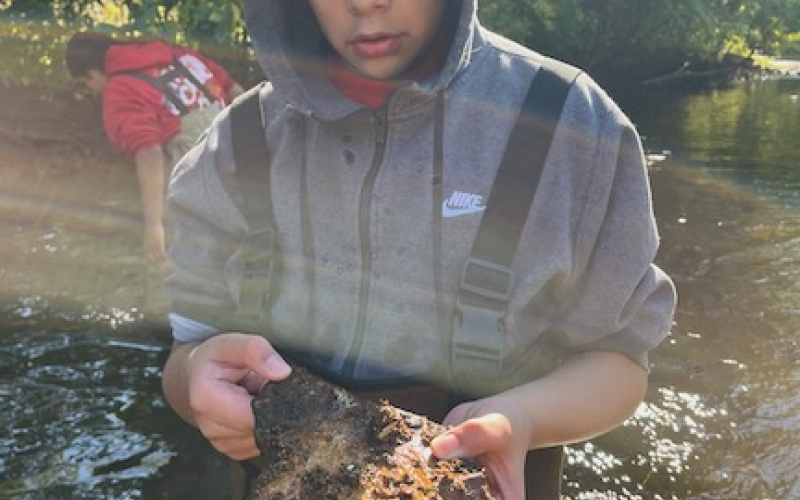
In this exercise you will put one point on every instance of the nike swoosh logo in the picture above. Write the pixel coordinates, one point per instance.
(448, 211)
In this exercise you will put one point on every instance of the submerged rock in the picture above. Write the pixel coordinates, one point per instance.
(321, 442)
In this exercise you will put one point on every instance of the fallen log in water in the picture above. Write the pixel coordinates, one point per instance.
(320, 442)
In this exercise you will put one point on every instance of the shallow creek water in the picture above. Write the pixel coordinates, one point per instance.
(83, 416)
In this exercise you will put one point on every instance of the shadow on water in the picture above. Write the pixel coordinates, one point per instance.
(83, 416)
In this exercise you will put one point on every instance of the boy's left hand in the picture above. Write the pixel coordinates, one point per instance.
(480, 431)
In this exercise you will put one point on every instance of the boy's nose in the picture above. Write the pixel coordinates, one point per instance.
(366, 6)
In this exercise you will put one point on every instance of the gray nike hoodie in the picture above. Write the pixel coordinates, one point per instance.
(371, 256)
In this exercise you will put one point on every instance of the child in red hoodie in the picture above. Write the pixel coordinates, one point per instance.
(157, 100)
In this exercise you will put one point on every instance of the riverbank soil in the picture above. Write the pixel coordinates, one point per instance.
(69, 209)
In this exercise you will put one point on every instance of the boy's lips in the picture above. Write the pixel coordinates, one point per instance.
(374, 46)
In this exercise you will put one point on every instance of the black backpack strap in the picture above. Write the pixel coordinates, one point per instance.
(161, 83)
(487, 279)
(162, 87)
(182, 70)
(252, 157)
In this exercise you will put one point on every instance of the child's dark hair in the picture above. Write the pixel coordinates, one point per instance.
(87, 51)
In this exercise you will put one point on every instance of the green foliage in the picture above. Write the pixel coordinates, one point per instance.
(791, 47)
(177, 20)
(645, 38)
(638, 39)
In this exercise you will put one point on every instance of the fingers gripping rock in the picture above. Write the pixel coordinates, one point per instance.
(320, 441)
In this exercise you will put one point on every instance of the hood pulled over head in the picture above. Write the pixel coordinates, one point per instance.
(292, 51)
(137, 57)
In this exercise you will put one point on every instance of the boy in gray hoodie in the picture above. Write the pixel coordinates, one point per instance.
(386, 121)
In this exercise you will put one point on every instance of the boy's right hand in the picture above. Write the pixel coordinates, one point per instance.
(222, 375)
(154, 243)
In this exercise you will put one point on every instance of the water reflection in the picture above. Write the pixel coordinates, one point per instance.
(722, 418)
(749, 131)
(83, 416)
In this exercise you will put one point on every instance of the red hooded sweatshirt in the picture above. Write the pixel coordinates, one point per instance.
(136, 114)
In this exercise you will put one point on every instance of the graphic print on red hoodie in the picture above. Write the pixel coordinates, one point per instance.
(136, 115)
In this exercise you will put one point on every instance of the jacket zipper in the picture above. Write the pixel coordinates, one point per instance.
(365, 240)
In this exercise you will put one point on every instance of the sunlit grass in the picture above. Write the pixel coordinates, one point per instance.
(32, 53)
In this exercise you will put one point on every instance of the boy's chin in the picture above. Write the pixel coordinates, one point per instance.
(383, 73)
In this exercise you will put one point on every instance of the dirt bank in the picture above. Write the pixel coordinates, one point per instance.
(69, 209)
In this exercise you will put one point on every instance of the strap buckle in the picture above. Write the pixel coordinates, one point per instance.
(478, 333)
